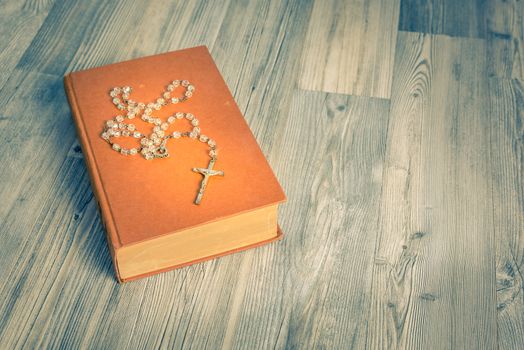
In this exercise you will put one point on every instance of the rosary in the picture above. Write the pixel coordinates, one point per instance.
(154, 145)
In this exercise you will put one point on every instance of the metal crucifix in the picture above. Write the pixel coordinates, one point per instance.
(207, 172)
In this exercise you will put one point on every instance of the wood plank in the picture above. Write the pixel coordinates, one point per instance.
(455, 18)
(62, 34)
(500, 41)
(19, 22)
(434, 261)
(517, 39)
(102, 33)
(350, 47)
(315, 293)
(35, 125)
(507, 170)
(261, 70)
(501, 22)
(36, 220)
(138, 33)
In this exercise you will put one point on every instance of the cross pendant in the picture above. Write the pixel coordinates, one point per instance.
(207, 172)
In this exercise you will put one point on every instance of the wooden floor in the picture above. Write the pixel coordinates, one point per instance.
(395, 126)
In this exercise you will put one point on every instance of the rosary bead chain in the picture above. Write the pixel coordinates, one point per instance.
(154, 145)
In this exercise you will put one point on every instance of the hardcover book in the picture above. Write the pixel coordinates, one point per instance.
(146, 187)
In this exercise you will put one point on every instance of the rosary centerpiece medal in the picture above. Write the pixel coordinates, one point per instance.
(153, 146)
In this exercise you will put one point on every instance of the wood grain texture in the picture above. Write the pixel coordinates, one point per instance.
(456, 18)
(517, 38)
(261, 69)
(507, 167)
(501, 22)
(350, 47)
(434, 277)
(331, 169)
(79, 34)
(405, 220)
(19, 22)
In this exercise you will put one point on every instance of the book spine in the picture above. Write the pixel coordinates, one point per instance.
(96, 184)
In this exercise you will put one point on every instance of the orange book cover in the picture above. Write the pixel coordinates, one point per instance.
(142, 199)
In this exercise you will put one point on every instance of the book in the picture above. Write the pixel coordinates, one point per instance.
(147, 206)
